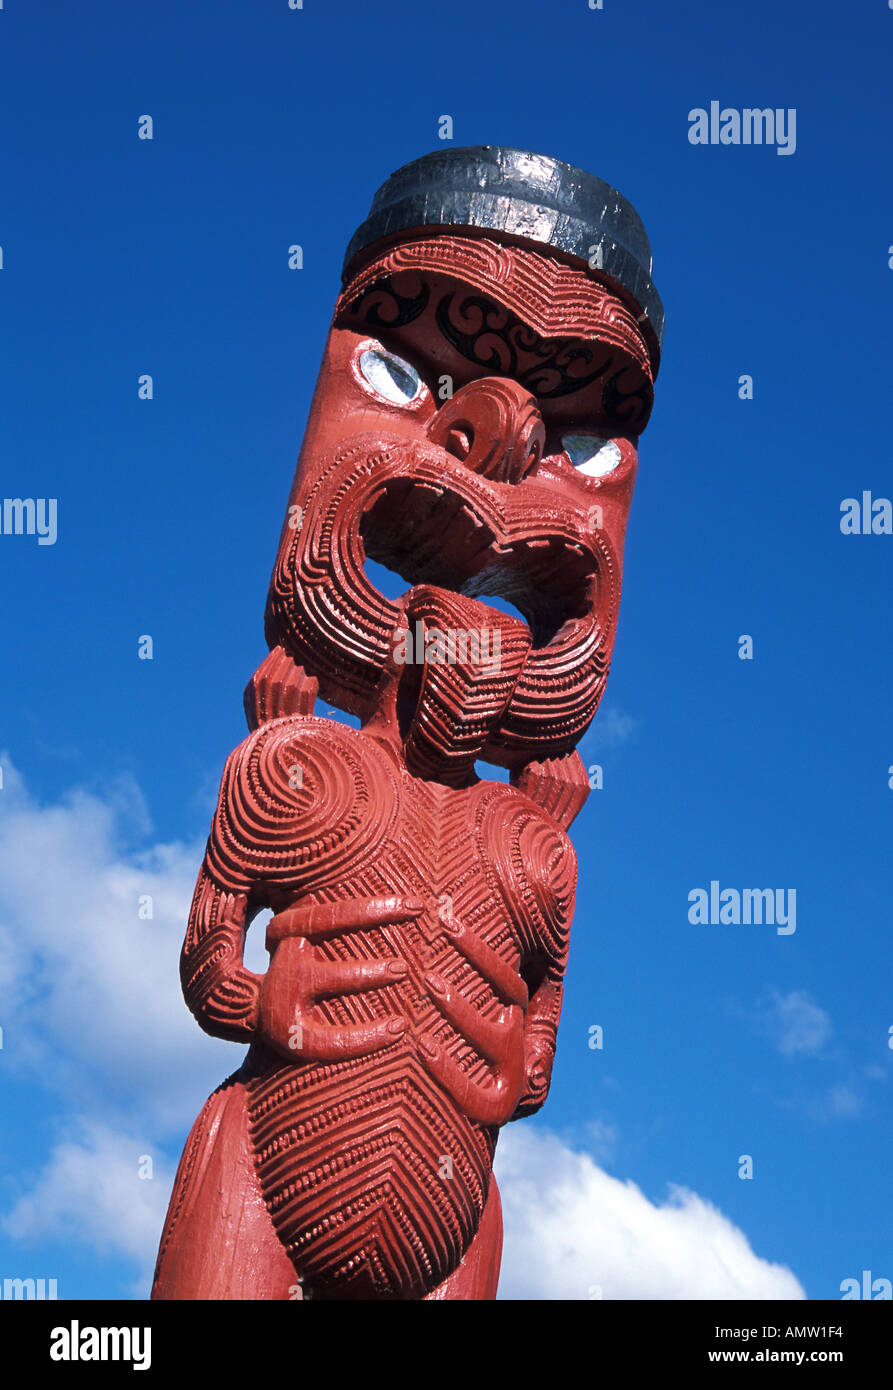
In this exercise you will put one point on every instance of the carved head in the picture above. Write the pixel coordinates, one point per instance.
(487, 376)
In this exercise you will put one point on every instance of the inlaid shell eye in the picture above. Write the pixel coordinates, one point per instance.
(591, 454)
(390, 376)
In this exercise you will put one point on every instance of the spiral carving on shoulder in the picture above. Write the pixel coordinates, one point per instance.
(294, 805)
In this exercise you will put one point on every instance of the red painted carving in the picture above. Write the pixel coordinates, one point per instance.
(421, 915)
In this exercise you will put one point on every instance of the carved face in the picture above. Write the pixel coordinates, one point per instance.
(474, 428)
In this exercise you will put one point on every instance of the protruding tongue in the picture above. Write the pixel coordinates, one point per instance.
(469, 658)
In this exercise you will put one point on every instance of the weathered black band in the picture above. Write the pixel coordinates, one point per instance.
(525, 196)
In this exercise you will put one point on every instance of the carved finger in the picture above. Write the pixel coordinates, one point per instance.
(506, 982)
(328, 1042)
(334, 977)
(318, 921)
(487, 1105)
(493, 1039)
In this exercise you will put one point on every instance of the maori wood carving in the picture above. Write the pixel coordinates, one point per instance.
(421, 915)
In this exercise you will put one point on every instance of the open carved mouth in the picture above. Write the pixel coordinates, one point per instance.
(430, 534)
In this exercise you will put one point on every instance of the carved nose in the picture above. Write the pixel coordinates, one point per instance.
(494, 427)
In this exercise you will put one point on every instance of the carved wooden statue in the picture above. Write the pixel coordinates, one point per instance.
(488, 372)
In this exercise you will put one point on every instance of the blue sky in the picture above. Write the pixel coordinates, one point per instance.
(169, 257)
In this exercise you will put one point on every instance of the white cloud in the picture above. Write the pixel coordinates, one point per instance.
(608, 730)
(601, 1140)
(841, 1103)
(798, 1026)
(91, 1193)
(91, 993)
(571, 1230)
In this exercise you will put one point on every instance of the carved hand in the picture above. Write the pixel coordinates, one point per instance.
(299, 977)
(499, 1041)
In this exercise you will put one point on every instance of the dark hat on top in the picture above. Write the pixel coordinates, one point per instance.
(521, 197)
